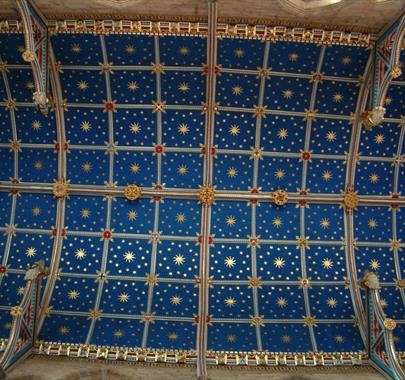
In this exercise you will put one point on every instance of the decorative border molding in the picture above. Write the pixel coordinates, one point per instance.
(234, 29)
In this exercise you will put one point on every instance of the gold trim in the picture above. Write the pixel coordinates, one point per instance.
(280, 197)
(206, 195)
(60, 188)
(390, 324)
(132, 192)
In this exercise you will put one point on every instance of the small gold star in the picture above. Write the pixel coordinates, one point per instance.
(325, 223)
(38, 165)
(36, 125)
(180, 218)
(230, 262)
(339, 339)
(118, 334)
(282, 133)
(230, 302)
(346, 60)
(331, 302)
(176, 300)
(184, 50)
(85, 213)
(331, 136)
(86, 167)
(388, 100)
(374, 264)
(75, 48)
(231, 338)
(85, 126)
(30, 85)
(129, 49)
(133, 86)
(372, 223)
(73, 294)
(82, 85)
(279, 174)
(288, 94)
(36, 211)
(173, 336)
(279, 262)
(327, 263)
(281, 302)
(80, 253)
(239, 53)
(132, 215)
(135, 128)
(230, 221)
(129, 256)
(277, 222)
(373, 178)
(182, 170)
(286, 339)
(183, 129)
(179, 259)
(234, 130)
(293, 57)
(20, 291)
(237, 90)
(123, 297)
(184, 87)
(337, 98)
(63, 330)
(232, 172)
(379, 139)
(326, 175)
(135, 168)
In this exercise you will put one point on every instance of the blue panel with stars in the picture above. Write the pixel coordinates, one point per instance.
(283, 337)
(326, 263)
(6, 133)
(240, 53)
(11, 289)
(231, 337)
(341, 337)
(237, 90)
(374, 177)
(12, 45)
(36, 211)
(6, 164)
(183, 51)
(233, 171)
(331, 302)
(338, 98)
(65, 328)
(22, 84)
(5, 324)
(373, 224)
(172, 335)
(284, 173)
(376, 259)
(326, 176)
(5, 207)
(324, 222)
(38, 165)
(394, 102)
(392, 302)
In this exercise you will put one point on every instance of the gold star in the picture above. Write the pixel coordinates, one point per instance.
(331, 302)
(36, 125)
(63, 330)
(176, 300)
(337, 98)
(124, 297)
(230, 302)
(184, 50)
(182, 170)
(179, 259)
(372, 223)
(118, 334)
(234, 130)
(331, 136)
(230, 262)
(183, 129)
(85, 213)
(129, 256)
(286, 339)
(135, 128)
(383, 302)
(281, 302)
(36, 211)
(31, 252)
(135, 168)
(327, 263)
(85, 126)
(293, 57)
(20, 291)
(180, 218)
(279, 262)
(129, 49)
(232, 172)
(73, 294)
(132, 215)
(339, 339)
(288, 94)
(184, 87)
(277, 222)
(325, 223)
(82, 85)
(231, 338)
(279, 174)
(75, 48)
(132, 86)
(80, 253)
(374, 178)
(86, 167)
(388, 100)
(30, 85)
(38, 165)
(239, 53)
(230, 221)
(173, 336)
(379, 139)
(346, 60)
(374, 264)
(282, 133)
(237, 90)
(326, 175)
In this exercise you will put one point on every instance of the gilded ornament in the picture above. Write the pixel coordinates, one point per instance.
(94, 314)
(280, 197)
(390, 324)
(60, 188)
(351, 199)
(206, 195)
(132, 192)
(15, 311)
(396, 72)
(256, 320)
(28, 56)
(310, 321)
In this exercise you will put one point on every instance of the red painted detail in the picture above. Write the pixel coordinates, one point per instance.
(159, 149)
(197, 319)
(305, 156)
(210, 240)
(302, 203)
(107, 234)
(15, 180)
(109, 106)
(3, 269)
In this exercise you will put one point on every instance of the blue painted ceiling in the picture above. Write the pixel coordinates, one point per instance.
(135, 129)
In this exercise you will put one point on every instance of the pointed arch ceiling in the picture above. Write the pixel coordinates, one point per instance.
(133, 112)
